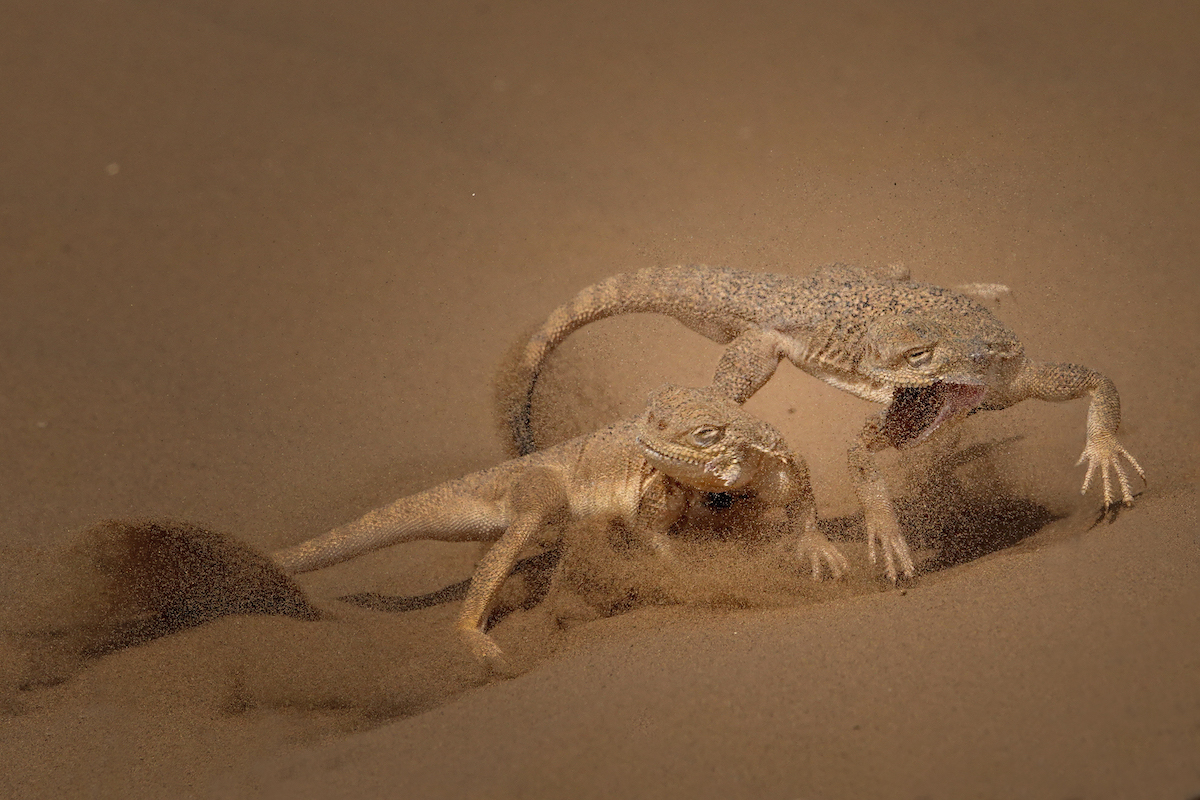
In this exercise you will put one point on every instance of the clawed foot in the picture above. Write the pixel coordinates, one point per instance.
(486, 651)
(892, 546)
(819, 550)
(1104, 455)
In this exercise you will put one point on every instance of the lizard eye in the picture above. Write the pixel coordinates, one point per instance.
(706, 435)
(919, 357)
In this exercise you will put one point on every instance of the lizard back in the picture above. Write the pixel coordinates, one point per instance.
(824, 316)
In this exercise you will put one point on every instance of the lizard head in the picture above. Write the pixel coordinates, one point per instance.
(936, 368)
(703, 439)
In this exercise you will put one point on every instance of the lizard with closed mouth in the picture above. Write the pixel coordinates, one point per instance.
(930, 355)
(640, 474)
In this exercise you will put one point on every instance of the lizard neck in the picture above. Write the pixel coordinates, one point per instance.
(833, 356)
(850, 382)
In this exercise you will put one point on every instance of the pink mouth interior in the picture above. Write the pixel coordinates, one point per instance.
(917, 411)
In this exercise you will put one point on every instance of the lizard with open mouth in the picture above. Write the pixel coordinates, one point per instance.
(930, 355)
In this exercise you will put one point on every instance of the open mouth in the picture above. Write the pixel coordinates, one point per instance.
(918, 411)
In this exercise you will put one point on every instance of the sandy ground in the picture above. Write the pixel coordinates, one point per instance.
(259, 262)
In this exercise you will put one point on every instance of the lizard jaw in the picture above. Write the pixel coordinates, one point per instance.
(917, 411)
(691, 468)
(669, 454)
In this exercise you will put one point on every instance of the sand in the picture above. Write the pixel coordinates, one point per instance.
(259, 262)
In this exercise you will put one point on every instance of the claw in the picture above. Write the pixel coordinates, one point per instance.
(1104, 456)
(820, 551)
(895, 552)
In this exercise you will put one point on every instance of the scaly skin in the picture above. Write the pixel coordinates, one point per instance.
(930, 355)
(641, 474)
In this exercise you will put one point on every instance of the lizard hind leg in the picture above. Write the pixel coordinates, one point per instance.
(537, 498)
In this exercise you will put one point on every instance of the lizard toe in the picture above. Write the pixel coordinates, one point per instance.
(1105, 457)
(820, 554)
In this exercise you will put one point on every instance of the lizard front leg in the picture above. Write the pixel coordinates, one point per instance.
(537, 498)
(749, 362)
(1102, 452)
(878, 513)
(662, 503)
(790, 497)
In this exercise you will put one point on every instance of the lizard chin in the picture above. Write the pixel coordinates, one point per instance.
(709, 476)
(917, 411)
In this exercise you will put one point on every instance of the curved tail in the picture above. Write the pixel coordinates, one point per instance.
(678, 292)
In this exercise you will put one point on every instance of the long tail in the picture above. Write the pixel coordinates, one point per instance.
(543, 561)
(674, 291)
(443, 513)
